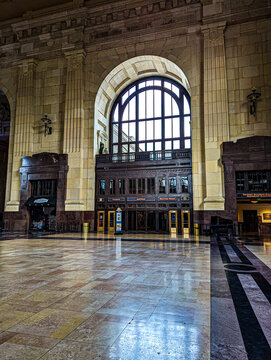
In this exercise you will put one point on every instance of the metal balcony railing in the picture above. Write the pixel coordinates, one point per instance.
(144, 156)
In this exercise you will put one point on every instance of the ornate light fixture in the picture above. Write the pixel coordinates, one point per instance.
(47, 122)
(252, 98)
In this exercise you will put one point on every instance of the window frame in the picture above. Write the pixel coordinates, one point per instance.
(132, 145)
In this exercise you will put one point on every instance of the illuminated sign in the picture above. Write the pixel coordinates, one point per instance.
(168, 199)
(253, 196)
(116, 199)
(139, 199)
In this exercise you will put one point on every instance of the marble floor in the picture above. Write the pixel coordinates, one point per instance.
(138, 297)
(73, 297)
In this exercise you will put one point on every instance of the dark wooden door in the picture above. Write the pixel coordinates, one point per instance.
(250, 221)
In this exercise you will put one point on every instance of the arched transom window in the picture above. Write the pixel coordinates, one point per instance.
(152, 114)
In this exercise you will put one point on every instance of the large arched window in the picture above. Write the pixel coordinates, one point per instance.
(152, 114)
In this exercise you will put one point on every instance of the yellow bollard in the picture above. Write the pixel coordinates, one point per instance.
(85, 228)
(196, 229)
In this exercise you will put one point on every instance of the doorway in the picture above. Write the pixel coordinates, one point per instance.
(163, 222)
(250, 221)
(141, 220)
(151, 225)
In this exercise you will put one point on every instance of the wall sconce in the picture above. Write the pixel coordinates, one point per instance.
(252, 98)
(47, 122)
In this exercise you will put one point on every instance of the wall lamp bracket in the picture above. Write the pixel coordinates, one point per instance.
(252, 99)
(47, 125)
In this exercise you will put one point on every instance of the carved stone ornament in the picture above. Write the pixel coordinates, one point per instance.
(214, 34)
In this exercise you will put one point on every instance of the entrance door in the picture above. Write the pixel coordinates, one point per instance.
(151, 220)
(111, 221)
(131, 220)
(250, 221)
(173, 221)
(185, 221)
(163, 221)
(141, 220)
(100, 221)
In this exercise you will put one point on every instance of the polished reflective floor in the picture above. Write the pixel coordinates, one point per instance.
(70, 297)
(139, 297)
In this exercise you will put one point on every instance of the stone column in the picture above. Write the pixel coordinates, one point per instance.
(24, 130)
(216, 117)
(23, 145)
(73, 129)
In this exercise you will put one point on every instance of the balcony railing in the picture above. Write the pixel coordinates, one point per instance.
(144, 156)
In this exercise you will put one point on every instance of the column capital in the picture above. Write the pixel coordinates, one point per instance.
(214, 32)
(79, 53)
(27, 65)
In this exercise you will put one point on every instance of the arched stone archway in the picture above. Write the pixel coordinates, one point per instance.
(122, 76)
(150, 65)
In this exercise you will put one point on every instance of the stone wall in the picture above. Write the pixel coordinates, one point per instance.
(57, 61)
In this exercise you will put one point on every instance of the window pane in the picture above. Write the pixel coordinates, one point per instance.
(184, 184)
(176, 127)
(115, 133)
(175, 108)
(141, 130)
(149, 146)
(176, 144)
(149, 83)
(176, 90)
(187, 126)
(124, 148)
(157, 103)
(115, 149)
(142, 85)
(132, 90)
(168, 130)
(172, 185)
(125, 97)
(126, 113)
(149, 103)
(141, 105)
(132, 131)
(124, 134)
(167, 98)
(186, 107)
(116, 114)
(162, 185)
(168, 145)
(157, 83)
(132, 109)
(132, 148)
(158, 146)
(187, 144)
(142, 147)
(167, 85)
(158, 129)
(150, 130)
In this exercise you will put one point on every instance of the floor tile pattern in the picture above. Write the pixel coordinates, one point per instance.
(104, 299)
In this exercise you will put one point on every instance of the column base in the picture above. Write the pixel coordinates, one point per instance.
(214, 203)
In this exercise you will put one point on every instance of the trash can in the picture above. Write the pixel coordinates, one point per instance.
(196, 229)
(85, 228)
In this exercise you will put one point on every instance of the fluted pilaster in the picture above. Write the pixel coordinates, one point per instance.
(74, 112)
(216, 116)
(23, 145)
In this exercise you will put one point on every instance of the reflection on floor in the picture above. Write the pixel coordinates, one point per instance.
(240, 299)
(138, 297)
(104, 298)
